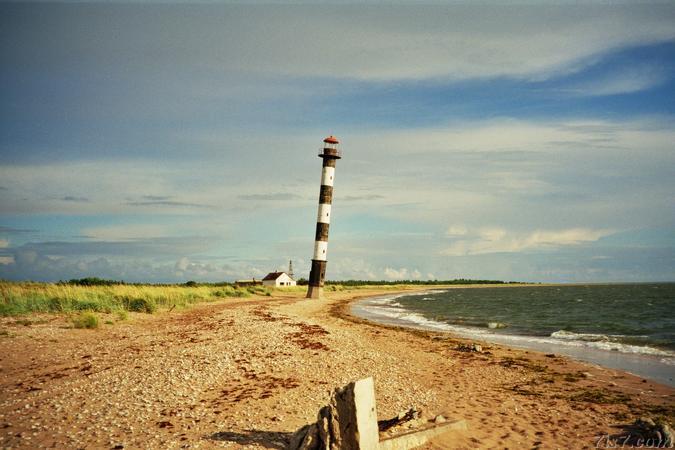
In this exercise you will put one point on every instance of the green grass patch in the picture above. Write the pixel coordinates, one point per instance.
(141, 304)
(85, 320)
(102, 296)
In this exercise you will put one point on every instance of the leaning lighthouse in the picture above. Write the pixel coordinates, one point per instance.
(330, 154)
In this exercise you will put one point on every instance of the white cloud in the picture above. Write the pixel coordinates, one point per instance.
(456, 41)
(499, 240)
(127, 232)
(626, 81)
(394, 274)
(456, 230)
(401, 274)
(505, 135)
(492, 156)
(351, 268)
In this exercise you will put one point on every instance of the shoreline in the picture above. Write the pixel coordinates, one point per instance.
(247, 373)
(651, 366)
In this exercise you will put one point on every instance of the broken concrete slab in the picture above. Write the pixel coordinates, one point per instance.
(349, 422)
(417, 438)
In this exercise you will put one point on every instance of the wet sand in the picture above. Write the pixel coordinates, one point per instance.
(249, 372)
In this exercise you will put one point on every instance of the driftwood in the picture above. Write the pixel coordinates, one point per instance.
(407, 416)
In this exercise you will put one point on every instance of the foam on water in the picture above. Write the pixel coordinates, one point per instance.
(387, 310)
(602, 349)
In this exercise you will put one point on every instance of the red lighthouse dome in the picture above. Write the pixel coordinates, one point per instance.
(330, 148)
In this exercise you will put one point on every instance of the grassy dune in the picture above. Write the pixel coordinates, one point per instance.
(18, 298)
(28, 297)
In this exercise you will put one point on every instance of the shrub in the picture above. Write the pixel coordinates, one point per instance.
(193, 298)
(190, 283)
(257, 290)
(122, 315)
(85, 320)
(145, 305)
(87, 305)
(94, 281)
(57, 304)
(240, 293)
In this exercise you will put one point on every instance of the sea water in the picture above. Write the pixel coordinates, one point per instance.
(624, 326)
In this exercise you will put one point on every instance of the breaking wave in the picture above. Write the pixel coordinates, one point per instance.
(387, 310)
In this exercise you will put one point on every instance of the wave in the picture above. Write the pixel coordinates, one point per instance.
(387, 310)
(612, 342)
(590, 337)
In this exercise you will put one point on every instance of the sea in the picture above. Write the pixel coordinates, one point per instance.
(630, 327)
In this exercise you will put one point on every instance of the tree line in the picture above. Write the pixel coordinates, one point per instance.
(95, 281)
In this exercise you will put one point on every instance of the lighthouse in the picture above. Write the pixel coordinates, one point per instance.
(330, 154)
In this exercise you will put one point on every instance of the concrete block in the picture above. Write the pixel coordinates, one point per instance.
(420, 437)
(366, 414)
(353, 408)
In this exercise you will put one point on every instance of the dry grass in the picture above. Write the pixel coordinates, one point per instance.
(28, 297)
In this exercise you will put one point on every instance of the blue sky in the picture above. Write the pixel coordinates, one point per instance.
(172, 142)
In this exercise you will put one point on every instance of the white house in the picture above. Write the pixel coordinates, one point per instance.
(278, 279)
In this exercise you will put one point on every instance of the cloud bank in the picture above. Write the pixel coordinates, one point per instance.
(174, 141)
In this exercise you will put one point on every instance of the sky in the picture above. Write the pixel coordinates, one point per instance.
(157, 142)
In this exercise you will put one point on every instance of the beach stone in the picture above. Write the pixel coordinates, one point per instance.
(646, 429)
(311, 440)
(666, 434)
(645, 422)
(323, 424)
(297, 438)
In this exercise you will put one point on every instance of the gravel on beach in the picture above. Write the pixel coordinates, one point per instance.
(249, 372)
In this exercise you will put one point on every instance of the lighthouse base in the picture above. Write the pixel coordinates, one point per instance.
(314, 292)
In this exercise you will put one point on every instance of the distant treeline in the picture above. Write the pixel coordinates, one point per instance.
(94, 281)
(303, 281)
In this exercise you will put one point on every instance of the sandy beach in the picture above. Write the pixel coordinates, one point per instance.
(249, 372)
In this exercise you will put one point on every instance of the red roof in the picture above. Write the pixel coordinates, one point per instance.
(331, 140)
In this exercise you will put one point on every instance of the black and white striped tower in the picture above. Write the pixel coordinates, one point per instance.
(330, 154)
